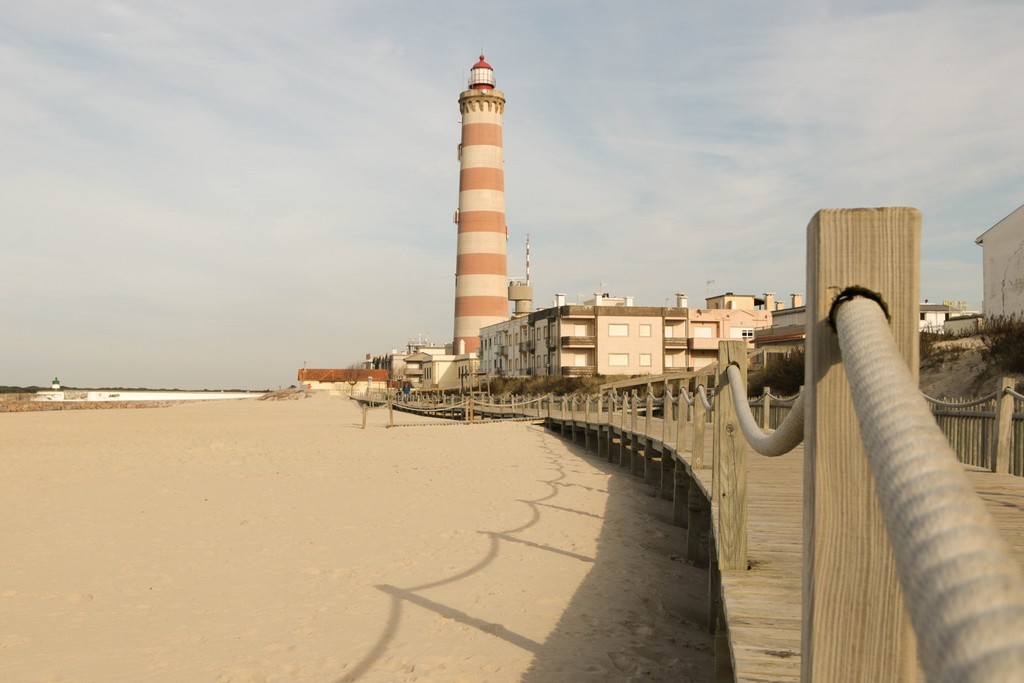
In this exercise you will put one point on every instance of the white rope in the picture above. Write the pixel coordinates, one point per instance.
(788, 436)
(964, 404)
(686, 396)
(963, 590)
(703, 397)
(1019, 397)
(776, 399)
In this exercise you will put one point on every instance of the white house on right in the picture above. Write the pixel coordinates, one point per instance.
(1003, 265)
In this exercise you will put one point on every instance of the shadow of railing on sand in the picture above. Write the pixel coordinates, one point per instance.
(399, 597)
(624, 618)
(641, 610)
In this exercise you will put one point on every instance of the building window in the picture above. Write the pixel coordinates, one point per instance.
(703, 332)
(645, 330)
(742, 333)
(618, 330)
(618, 360)
(645, 360)
(668, 361)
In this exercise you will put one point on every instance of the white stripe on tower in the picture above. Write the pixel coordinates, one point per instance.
(481, 271)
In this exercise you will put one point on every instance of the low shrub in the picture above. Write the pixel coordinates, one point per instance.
(784, 374)
(1002, 340)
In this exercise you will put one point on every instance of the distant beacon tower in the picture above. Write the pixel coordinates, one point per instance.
(481, 270)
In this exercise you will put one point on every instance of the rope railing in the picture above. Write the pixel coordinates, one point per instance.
(702, 392)
(513, 404)
(963, 590)
(963, 404)
(788, 436)
(784, 401)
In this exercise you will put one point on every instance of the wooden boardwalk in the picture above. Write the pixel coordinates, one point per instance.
(761, 606)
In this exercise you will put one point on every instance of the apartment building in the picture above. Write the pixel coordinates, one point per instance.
(612, 336)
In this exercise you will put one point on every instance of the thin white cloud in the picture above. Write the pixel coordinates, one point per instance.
(183, 180)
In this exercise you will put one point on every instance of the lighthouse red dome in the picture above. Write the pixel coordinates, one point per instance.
(481, 76)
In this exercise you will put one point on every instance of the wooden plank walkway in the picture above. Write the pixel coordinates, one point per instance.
(762, 606)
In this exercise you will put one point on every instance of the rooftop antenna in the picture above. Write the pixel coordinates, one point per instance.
(707, 289)
(528, 258)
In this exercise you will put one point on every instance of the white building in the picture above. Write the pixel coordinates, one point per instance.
(1003, 266)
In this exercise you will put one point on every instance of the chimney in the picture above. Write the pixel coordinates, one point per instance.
(681, 301)
(598, 299)
(629, 301)
(798, 300)
(559, 300)
(769, 301)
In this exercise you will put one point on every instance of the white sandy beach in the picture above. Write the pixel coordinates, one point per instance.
(278, 541)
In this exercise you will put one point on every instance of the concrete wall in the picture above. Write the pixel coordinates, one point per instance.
(1003, 266)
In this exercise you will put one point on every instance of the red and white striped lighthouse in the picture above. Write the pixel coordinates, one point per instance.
(481, 271)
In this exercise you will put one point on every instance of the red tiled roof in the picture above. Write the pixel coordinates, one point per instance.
(347, 375)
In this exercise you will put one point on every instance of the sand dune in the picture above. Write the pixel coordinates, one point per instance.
(278, 541)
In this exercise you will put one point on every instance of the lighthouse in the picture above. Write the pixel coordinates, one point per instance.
(481, 269)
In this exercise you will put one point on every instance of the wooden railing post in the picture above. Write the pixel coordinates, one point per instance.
(681, 415)
(391, 411)
(854, 625)
(730, 474)
(611, 422)
(1001, 454)
(666, 415)
(649, 408)
(766, 408)
(697, 459)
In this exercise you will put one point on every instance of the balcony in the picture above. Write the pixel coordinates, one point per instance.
(675, 343)
(578, 370)
(579, 342)
(703, 343)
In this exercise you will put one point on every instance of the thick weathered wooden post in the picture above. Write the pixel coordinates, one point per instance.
(730, 475)
(391, 411)
(364, 416)
(855, 627)
(1001, 453)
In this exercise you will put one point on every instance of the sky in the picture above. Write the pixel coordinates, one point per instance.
(213, 194)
